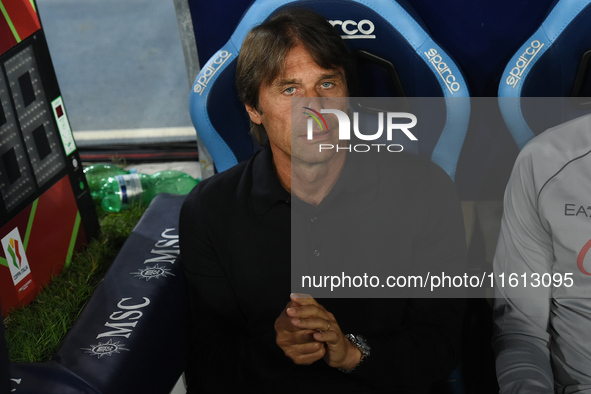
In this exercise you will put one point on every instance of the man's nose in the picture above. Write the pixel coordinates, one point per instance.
(315, 101)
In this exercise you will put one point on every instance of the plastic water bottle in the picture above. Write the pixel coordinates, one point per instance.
(97, 174)
(119, 191)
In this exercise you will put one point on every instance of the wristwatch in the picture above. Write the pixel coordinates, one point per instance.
(360, 343)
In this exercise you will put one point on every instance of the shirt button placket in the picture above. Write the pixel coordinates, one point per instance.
(313, 220)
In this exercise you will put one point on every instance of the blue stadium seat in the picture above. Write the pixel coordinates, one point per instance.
(399, 48)
(396, 58)
(552, 65)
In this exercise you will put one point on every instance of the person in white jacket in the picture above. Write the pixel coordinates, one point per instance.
(542, 320)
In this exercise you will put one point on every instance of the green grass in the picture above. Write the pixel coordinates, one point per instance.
(34, 333)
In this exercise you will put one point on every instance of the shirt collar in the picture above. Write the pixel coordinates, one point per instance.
(359, 177)
(266, 188)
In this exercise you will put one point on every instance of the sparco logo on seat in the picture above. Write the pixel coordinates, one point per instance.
(352, 30)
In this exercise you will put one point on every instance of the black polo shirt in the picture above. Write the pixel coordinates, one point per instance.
(236, 251)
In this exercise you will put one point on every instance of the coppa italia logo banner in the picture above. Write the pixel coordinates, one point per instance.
(17, 262)
(344, 124)
(14, 251)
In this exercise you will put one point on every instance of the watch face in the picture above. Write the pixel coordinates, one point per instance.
(360, 343)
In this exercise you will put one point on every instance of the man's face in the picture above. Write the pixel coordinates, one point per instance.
(313, 87)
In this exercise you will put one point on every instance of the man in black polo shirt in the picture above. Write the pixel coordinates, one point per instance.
(235, 237)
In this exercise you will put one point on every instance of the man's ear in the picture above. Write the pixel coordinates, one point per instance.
(255, 116)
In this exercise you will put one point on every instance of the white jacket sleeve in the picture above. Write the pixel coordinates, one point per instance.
(521, 337)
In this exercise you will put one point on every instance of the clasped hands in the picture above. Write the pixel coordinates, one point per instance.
(306, 332)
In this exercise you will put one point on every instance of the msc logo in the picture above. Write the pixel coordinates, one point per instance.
(105, 349)
(155, 272)
(523, 63)
(209, 71)
(351, 29)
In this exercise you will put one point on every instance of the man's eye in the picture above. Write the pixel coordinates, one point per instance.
(289, 90)
(327, 85)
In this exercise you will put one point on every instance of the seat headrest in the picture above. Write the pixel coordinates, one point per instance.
(551, 65)
(384, 28)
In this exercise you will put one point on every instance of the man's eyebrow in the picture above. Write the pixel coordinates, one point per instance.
(295, 81)
(332, 75)
(284, 82)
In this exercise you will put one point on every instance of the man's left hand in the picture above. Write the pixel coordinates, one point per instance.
(340, 352)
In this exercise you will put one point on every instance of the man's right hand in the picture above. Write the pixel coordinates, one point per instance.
(298, 344)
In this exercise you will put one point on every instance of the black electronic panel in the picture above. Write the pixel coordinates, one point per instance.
(46, 210)
(17, 184)
(35, 116)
